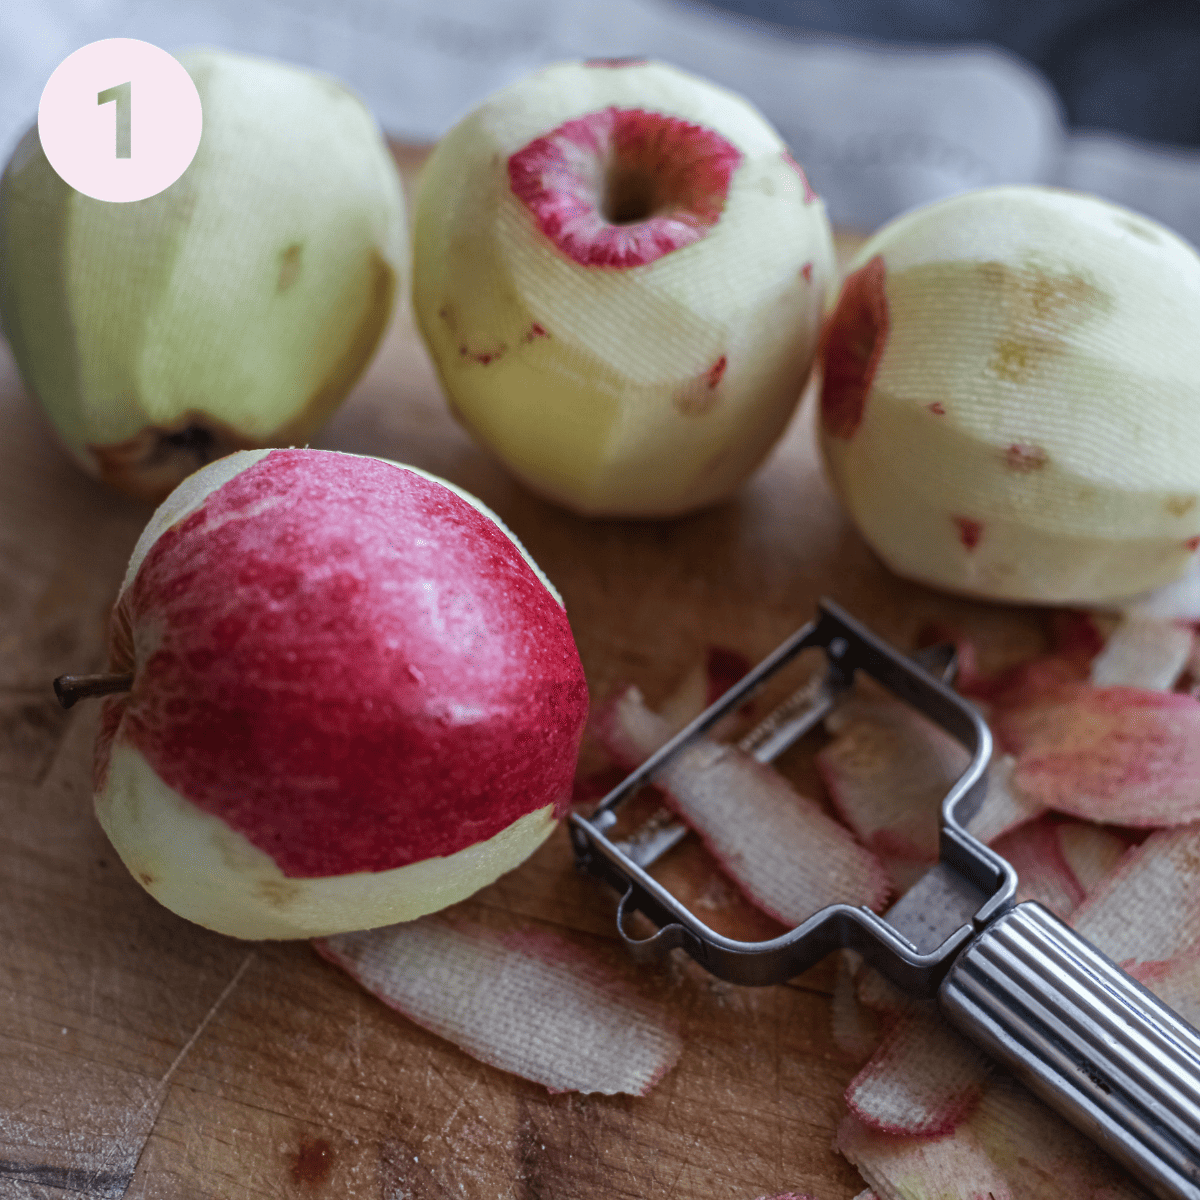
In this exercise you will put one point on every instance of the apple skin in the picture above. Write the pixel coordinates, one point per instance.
(234, 309)
(1010, 403)
(620, 273)
(355, 698)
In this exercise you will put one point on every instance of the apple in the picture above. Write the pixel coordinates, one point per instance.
(619, 272)
(355, 698)
(1010, 404)
(234, 309)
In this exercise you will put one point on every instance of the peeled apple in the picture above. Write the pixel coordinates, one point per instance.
(1010, 403)
(233, 310)
(620, 272)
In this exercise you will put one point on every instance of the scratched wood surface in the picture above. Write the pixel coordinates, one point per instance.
(142, 1056)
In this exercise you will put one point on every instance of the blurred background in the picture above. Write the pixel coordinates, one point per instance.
(887, 103)
(1125, 66)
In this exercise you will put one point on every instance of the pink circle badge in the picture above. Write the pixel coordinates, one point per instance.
(120, 120)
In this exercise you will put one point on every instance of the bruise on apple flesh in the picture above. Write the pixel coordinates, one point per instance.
(149, 465)
(622, 187)
(263, 684)
(852, 346)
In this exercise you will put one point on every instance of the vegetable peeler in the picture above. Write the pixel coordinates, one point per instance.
(1083, 1035)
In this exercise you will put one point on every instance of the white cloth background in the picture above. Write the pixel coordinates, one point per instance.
(878, 130)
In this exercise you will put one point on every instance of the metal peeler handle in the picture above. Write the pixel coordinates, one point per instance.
(1089, 1040)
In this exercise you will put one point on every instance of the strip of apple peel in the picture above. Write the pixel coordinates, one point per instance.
(1144, 652)
(888, 770)
(924, 1078)
(1118, 755)
(782, 851)
(1010, 1148)
(525, 1002)
(1148, 910)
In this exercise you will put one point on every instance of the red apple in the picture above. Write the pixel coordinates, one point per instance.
(355, 698)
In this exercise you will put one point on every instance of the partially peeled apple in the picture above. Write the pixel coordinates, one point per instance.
(236, 308)
(1011, 397)
(354, 698)
(620, 272)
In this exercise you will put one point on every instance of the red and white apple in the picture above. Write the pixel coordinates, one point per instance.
(355, 698)
(234, 309)
(620, 272)
(1010, 404)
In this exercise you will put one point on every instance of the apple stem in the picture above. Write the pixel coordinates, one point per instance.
(69, 688)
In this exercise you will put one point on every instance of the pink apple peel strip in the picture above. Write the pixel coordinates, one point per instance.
(1035, 852)
(528, 1003)
(1121, 755)
(887, 771)
(782, 851)
(923, 1080)
(1010, 1148)
(1144, 652)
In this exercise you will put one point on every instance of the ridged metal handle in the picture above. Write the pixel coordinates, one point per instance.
(1093, 1043)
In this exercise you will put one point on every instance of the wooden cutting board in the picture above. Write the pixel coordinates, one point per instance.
(143, 1056)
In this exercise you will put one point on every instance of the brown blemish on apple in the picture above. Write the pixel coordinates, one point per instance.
(147, 880)
(807, 271)
(312, 1162)
(1039, 308)
(937, 408)
(969, 531)
(1179, 506)
(278, 893)
(809, 194)
(1023, 458)
(150, 464)
(852, 346)
(289, 267)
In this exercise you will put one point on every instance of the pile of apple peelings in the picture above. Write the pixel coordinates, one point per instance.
(1098, 725)
(1094, 797)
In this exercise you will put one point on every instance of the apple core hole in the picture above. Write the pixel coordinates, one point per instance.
(630, 195)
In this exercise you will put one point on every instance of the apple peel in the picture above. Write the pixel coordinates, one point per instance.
(1148, 910)
(887, 771)
(923, 1080)
(1120, 755)
(1176, 982)
(1144, 653)
(526, 1002)
(1035, 851)
(785, 854)
(1011, 1148)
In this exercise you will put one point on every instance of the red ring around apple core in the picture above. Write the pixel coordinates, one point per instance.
(624, 186)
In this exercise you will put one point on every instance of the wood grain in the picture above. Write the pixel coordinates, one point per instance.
(142, 1056)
